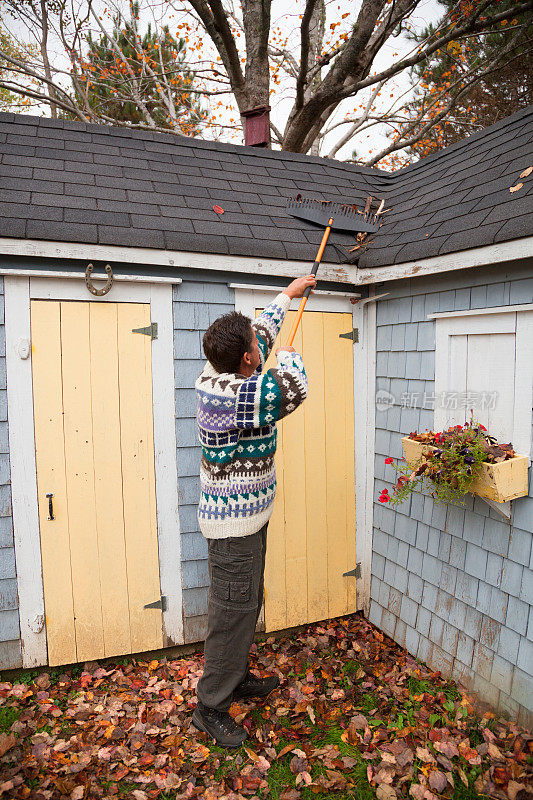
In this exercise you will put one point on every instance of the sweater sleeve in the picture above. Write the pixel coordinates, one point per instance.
(267, 325)
(264, 399)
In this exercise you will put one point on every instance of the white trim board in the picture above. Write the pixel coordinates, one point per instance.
(49, 273)
(24, 473)
(521, 325)
(19, 291)
(338, 273)
(66, 289)
(247, 299)
(278, 289)
(477, 311)
(365, 316)
(464, 259)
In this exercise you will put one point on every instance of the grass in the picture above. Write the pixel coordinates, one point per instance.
(28, 676)
(462, 792)
(417, 686)
(368, 703)
(125, 788)
(350, 667)
(280, 777)
(349, 674)
(44, 729)
(8, 715)
(224, 768)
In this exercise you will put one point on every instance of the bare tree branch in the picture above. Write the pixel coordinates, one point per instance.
(44, 53)
(135, 85)
(216, 24)
(317, 87)
(407, 142)
(357, 124)
(459, 32)
(304, 52)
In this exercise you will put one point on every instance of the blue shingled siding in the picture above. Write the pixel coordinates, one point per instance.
(10, 650)
(453, 585)
(196, 306)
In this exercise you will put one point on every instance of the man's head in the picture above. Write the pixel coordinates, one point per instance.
(230, 344)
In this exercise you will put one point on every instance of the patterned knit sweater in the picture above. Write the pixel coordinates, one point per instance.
(237, 429)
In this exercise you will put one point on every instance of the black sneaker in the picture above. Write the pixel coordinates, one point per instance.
(254, 687)
(220, 725)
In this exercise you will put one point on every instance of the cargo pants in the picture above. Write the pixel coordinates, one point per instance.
(236, 571)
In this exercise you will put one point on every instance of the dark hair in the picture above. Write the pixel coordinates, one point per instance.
(227, 340)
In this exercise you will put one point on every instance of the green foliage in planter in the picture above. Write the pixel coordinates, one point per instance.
(447, 471)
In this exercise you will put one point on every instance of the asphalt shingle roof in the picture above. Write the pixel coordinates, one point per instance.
(76, 182)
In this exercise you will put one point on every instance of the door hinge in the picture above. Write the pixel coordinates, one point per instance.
(353, 335)
(355, 573)
(162, 604)
(150, 330)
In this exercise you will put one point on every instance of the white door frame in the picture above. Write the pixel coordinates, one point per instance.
(247, 299)
(19, 291)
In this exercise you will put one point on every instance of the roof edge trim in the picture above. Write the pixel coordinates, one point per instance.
(173, 259)
(513, 250)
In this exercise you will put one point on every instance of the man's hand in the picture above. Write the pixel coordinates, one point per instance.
(299, 285)
(287, 348)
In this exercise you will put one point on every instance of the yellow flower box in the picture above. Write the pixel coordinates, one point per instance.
(499, 482)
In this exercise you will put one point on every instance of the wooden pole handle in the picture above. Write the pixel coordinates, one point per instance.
(307, 292)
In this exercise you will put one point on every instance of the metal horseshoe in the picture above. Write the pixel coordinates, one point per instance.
(89, 283)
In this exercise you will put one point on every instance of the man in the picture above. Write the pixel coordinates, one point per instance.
(238, 406)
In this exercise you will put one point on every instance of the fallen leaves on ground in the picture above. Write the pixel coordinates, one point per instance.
(355, 717)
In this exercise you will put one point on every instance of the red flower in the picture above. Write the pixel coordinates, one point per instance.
(384, 496)
(389, 460)
(482, 427)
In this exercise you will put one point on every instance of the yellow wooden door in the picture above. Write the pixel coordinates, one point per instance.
(92, 392)
(311, 536)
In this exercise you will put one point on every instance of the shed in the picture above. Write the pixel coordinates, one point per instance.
(100, 552)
